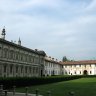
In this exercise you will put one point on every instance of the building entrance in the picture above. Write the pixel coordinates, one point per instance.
(85, 72)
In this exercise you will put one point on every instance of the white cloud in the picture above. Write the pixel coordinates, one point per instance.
(91, 6)
(58, 27)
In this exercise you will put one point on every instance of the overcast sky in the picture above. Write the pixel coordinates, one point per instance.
(59, 27)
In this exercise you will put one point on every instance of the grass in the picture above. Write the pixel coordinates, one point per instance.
(81, 87)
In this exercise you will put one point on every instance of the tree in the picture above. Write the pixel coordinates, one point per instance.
(64, 59)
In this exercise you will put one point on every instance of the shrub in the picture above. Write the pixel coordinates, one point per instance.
(30, 81)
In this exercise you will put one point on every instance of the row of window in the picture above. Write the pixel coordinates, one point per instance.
(19, 69)
(78, 66)
(14, 55)
(49, 64)
(52, 72)
(75, 73)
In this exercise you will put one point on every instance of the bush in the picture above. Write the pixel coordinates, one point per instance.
(30, 81)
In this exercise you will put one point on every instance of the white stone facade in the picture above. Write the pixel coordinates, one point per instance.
(52, 67)
(18, 61)
(80, 67)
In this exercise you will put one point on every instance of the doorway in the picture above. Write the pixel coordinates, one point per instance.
(85, 72)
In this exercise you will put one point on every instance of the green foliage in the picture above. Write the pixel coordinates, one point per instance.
(26, 81)
(31, 81)
(64, 59)
(81, 87)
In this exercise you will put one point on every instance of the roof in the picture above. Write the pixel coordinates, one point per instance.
(53, 61)
(79, 62)
(22, 47)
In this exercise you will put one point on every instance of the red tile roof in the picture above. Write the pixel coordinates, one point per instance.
(80, 62)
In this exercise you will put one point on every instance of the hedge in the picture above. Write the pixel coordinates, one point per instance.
(31, 81)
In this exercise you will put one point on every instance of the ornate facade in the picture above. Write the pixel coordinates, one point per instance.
(19, 61)
(52, 67)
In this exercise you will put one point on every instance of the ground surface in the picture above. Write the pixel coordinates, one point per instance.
(81, 87)
(18, 94)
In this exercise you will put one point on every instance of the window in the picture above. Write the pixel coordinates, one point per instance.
(16, 56)
(32, 59)
(21, 57)
(75, 72)
(29, 58)
(21, 69)
(0, 46)
(26, 69)
(16, 69)
(79, 65)
(66, 72)
(90, 72)
(5, 68)
(11, 68)
(29, 69)
(5, 53)
(85, 66)
(41, 60)
(65, 66)
(11, 54)
(0, 51)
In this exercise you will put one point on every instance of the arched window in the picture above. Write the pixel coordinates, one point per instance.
(11, 67)
(90, 72)
(85, 72)
(5, 68)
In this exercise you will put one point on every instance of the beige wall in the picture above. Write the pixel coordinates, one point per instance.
(75, 69)
(15, 61)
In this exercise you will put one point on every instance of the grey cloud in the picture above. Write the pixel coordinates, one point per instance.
(74, 37)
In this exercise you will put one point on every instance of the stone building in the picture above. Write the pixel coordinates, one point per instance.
(19, 61)
(52, 67)
(87, 67)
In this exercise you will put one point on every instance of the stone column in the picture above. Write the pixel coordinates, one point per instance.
(8, 69)
(0, 69)
(19, 70)
(13, 70)
(32, 71)
(24, 71)
(28, 71)
(37, 92)
(14, 87)
(26, 91)
(5, 92)
(49, 93)
(1, 90)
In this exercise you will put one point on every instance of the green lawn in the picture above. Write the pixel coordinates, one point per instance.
(81, 87)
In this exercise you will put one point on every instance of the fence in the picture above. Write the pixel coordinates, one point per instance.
(14, 93)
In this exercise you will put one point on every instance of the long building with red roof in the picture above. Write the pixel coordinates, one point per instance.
(19, 61)
(87, 67)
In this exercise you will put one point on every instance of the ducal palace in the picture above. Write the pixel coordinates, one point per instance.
(19, 61)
